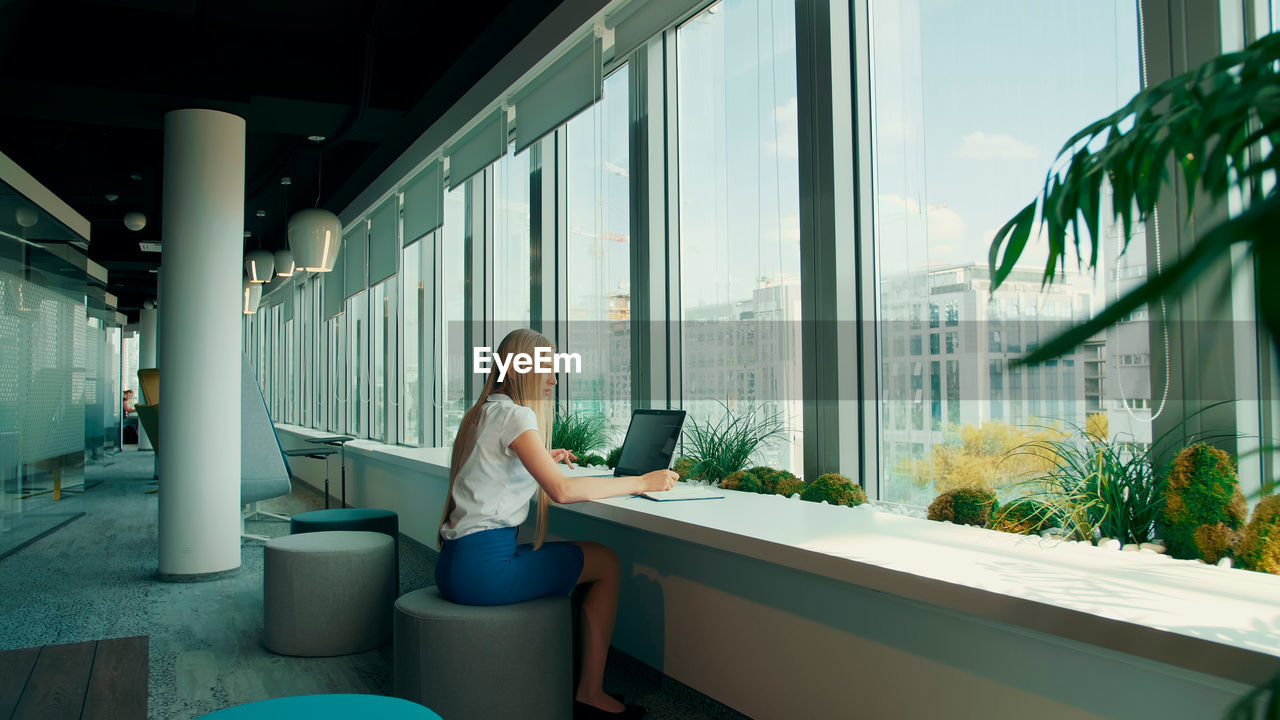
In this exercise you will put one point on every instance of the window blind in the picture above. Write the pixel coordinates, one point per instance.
(569, 86)
(637, 21)
(477, 149)
(423, 203)
(383, 247)
(356, 249)
(331, 295)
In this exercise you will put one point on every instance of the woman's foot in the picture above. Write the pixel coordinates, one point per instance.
(606, 706)
(601, 701)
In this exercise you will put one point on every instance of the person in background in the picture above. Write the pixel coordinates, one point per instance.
(502, 459)
(130, 403)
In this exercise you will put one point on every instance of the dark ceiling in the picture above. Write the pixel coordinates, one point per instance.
(85, 86)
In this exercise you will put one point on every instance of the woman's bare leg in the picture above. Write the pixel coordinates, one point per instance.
(600, 568)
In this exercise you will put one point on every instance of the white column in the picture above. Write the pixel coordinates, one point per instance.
(146, 355)
(199, 342)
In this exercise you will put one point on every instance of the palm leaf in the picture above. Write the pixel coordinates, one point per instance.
(1216, 125)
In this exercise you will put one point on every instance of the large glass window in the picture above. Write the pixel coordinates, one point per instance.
(452, 304)
(970, 104)
(382, 334)
(290, 371)
(510, 244)
(356, 319)
(335, 373)
(739, 217)
(599, 256)
(413, 332)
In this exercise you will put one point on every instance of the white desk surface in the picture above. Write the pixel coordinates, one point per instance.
(1215, 620)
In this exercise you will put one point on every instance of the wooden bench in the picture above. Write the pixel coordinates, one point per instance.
(95, 679)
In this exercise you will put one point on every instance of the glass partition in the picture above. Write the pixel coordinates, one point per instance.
(45, 393)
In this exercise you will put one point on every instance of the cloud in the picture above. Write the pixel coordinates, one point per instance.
(789, 228)
(995, 146)
(945, 224)
(787, 143)
(909, 204)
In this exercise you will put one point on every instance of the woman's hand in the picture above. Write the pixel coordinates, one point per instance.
(657, 481)
(564, 456)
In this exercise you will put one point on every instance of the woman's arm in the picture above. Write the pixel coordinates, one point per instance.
(529, 448)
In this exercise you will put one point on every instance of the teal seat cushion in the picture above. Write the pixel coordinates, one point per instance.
(326, 707)
(367, 519)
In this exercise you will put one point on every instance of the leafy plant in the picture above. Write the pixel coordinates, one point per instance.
(764, 480)
(591, 459)
(964, 506)
(1203, 509)
(581, 433)
(1095, 485)
(684, 468)
(979, 456)
(835, 489)
(743, 481)
(724, 446)
(612, 458)
(1023, 516)
(1262, 703)
(1260, 547)
(788, 486)
(1218, 125)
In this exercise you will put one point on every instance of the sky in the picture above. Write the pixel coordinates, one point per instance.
(973, 100)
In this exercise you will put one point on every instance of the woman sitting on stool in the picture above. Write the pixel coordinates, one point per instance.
(501, 459)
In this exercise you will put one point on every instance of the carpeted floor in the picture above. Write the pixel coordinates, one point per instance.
(95, 579)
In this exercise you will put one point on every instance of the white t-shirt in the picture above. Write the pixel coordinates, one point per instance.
(493, 489)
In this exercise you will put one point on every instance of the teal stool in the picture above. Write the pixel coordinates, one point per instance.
(326, 707)
(365, 519)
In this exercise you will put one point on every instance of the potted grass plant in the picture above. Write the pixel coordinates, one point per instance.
(719, 447)
(581, 433)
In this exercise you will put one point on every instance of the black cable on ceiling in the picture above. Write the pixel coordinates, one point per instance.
(366, 91)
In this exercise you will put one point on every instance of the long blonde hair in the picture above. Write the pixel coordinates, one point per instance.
(523, 389)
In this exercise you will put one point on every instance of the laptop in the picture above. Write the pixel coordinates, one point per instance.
(649, 445)
(650, 442)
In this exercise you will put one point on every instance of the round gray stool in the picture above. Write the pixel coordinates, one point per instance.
(328, 593)
(491, 661)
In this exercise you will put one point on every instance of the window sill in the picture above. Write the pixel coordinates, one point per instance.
(1141, 604)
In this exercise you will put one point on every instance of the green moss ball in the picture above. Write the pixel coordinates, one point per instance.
(964, 506)
(836, 489)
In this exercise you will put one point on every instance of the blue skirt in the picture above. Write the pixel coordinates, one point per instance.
(488, 568)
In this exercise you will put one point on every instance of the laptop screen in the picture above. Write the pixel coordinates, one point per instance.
(651, 441)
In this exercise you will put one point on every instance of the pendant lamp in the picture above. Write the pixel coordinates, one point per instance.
(314, 238)
(259, 265)
(251, 295)
(284, 263)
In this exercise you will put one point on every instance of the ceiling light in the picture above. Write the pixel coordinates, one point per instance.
(286, 181)
(259, 264)
(261, 213)
(135, 176)
(26, 217)
(284, 263)
(316, 138)
(314, 238)
(248, 233)
(135, 220)
(111, 197)
(251, 295)
(149, 246)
